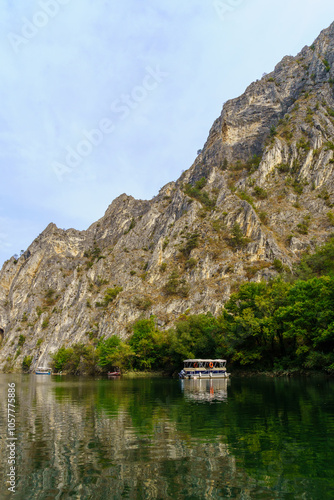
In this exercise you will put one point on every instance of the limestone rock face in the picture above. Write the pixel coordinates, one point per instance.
(259, 194)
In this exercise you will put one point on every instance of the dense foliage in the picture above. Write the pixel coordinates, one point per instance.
(283, 324)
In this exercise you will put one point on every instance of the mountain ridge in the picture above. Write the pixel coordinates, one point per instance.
(258, 194)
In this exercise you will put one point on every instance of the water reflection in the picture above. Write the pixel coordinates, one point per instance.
(203, 390)
(159, 438)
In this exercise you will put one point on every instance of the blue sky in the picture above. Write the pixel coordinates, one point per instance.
(106, 97)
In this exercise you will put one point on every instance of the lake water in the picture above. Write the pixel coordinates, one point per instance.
(247, 438)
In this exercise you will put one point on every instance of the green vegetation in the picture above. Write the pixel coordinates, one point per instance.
(218, 225)
(246, 197)
(132, 225)
(251, 165)
(298, 187)
(260, 193)
(197, 193)
(110, 295)
(330, 216)
(238, 240)
(330, 111)
(309, 116)
(39, 311)
(93, 254)
(190, 244)
(329, 146)
(327, 65)
(21, 341)
(303, 144)
(285, 324)
(112, 352)
(76, 359)
(143, 303)
(26, 363)
(278, 266)
(165, 243)
(303, 226)
(224, 164)
(147, 344)
(263, 217)
(318, 264)
(283, 168)
(45, 323)
(50, 298)
(273, 131)
(176, 285)
(163, 267)
(191, 263)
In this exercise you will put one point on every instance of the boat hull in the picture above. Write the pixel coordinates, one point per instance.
(204, 375)
(204, 368)
(42, 373)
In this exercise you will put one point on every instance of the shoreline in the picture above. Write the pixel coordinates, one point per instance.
(233, 373)
(281, 373)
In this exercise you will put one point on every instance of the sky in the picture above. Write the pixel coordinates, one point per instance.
(106, 97)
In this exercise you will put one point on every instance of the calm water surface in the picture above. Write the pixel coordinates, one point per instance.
(82, 438)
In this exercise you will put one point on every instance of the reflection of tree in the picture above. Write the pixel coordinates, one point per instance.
(142, 438)
(277, 438)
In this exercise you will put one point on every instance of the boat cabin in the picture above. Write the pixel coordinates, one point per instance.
(43, 371)
(204, 368)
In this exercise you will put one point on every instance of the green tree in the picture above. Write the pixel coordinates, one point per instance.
(321, 262)
(250, 331)
(113, 352)
(26, 363)
(308, 320)
(193, 337)
(150, 346)
(238, 240)
(61, 358)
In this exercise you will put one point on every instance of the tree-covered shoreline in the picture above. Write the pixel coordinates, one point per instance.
(286, 324)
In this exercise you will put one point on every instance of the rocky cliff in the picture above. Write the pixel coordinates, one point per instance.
(259, 193)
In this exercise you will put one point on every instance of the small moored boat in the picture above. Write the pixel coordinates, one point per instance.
(204, 368)
(115, 373)
(43, 371)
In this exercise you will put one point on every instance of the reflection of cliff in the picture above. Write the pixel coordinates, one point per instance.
(205, 390)
(151, 439)
(82, 438)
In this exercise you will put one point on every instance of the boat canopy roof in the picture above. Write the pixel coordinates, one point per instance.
(43, 368)
(204, 360)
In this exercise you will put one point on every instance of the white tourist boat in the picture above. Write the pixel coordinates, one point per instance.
(204, 368)
(43, 371)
